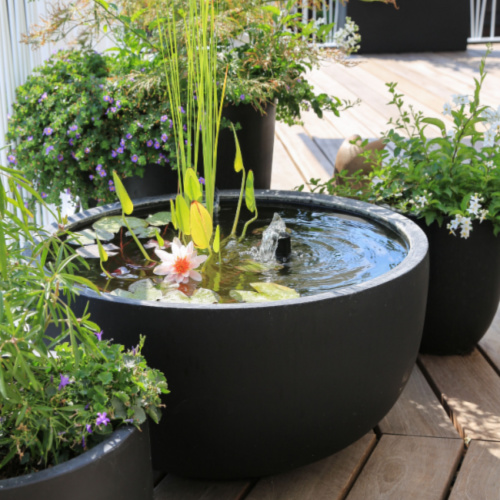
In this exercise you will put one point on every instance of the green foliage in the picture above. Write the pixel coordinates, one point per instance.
(452, 177)
(78, 116)
(52, 388)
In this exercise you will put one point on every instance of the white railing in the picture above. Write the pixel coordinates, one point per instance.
(483, 19)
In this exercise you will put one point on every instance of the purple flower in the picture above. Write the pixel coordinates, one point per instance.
(164, 118)
(184, 127)
(128, 136)
(118, 104)
(119, 150)
(122, 143)
(91, 177)
(43, 195)
(149, 143)
(112, 110)
(71, 142)
(164, 137)
(88, 426)
(182, 110)
(11, 158)
(101, 85)
(139, 124)
(98, 168)
(77, 136)
(48, 149)
(107, 98)
(64, 381)
(60, 157)
(171, 124)
(74, 156)
(102, 418)
(102, 173)
(87, 150)
(242, 97)
(114, 154)
(30, 137)
(134, 158)
(99, 334)
(73, 128)
(42, 97)
(202, 180)
(47, 131)
(67, 191)
(157, 145)
(111, 187)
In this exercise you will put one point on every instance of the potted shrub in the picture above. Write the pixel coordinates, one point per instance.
(449, 184)
(74, 407)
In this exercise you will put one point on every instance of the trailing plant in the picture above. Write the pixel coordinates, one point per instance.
(441, 172)
(63, 393)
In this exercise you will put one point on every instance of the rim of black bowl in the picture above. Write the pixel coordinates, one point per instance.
(407, 230)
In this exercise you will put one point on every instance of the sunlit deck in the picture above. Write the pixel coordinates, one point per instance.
(442, 439)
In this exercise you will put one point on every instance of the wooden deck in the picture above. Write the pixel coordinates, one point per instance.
(442, 438)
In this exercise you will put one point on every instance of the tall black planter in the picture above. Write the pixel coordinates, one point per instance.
(262, 388)
(464, 288)
(418, 25)
(116, 469)
(256, 138)
(157, 181)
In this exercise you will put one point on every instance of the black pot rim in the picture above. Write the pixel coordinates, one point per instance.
(97, 452)
(411, 234)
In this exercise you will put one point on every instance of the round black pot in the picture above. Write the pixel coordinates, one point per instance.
(464, 288)
(417, 26)
(262, 388)
(116, 469)
(256, 138)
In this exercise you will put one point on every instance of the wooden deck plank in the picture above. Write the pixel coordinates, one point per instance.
(490, 343)
(479, 475)
(285, 175)
(177, 488)
(408, 467)
(471, 389)
(418, 412)
(327, 479)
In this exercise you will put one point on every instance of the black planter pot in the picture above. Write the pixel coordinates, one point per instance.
(417, 26)
(262, 388)
(157, 181)
(256, 138)
(116, 469)
(464, 288)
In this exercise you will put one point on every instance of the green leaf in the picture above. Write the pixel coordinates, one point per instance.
(105, 377)
(249, 193)
(201, 225)
(192, 186)
(159, 219)
(437, 122)
(111, 224)
(139, 414)
(216, 243)
(182, 214)
(275, 291)
(246, 296)
(173, 214)
(125, 201)
(238, 159)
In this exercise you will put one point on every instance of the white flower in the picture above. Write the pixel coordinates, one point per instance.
(489, 138)
(421, 200)
(459, 100)
(451, 133)
(483, 215)
(377, 180)
(447, 109)
(465, 233)
(179, 265)
(489, 164)
(490, 115)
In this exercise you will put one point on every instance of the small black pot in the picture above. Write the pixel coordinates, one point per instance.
(116, 469)
(262, 388)
(464, 288)
(417, 26)
(256, 138)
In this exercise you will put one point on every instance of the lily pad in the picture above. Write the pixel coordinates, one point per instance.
(143, 232)
(159, 219)
(246, 296)
(111, 224)
(142, 292)
(145, 284)
(200, 296)
(275, 291)
(82, 238)
(135, 222)
(92, 251)
(252, 266)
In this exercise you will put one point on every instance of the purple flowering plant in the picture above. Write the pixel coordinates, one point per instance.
(60, 139)
(104, 385)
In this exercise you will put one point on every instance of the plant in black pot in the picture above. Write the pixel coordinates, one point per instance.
(73, 408)
(446, 176)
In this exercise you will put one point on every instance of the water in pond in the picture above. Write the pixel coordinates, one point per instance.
(329, 250)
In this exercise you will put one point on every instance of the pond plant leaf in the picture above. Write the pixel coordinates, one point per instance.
(252, 266)
(125, 201)
(200, 296)
(275, 291)
(112, 224)
(201, 225)
(247, 296)
(144, 232)
(92, 251)
(82, 238)
(136, 222)
(159, 219)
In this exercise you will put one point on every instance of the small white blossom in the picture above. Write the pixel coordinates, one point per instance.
(377, 180)
(490, 115)
(489, 138)
(460, 100)
(447, 109)
(482, 215)
(421, 200)
(451, 133)
(489, 164)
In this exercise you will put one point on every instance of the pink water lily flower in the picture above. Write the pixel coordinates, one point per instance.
(179, 265)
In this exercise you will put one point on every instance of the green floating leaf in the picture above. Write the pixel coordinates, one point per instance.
(143, 232)
(111, 224)
(82, 238)
(275, 291)
(252, 266)
(152, 294)
(200, 296)
(159, 219)
(135, 222)
(92, 251)
(145, 284)
(246, 296)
